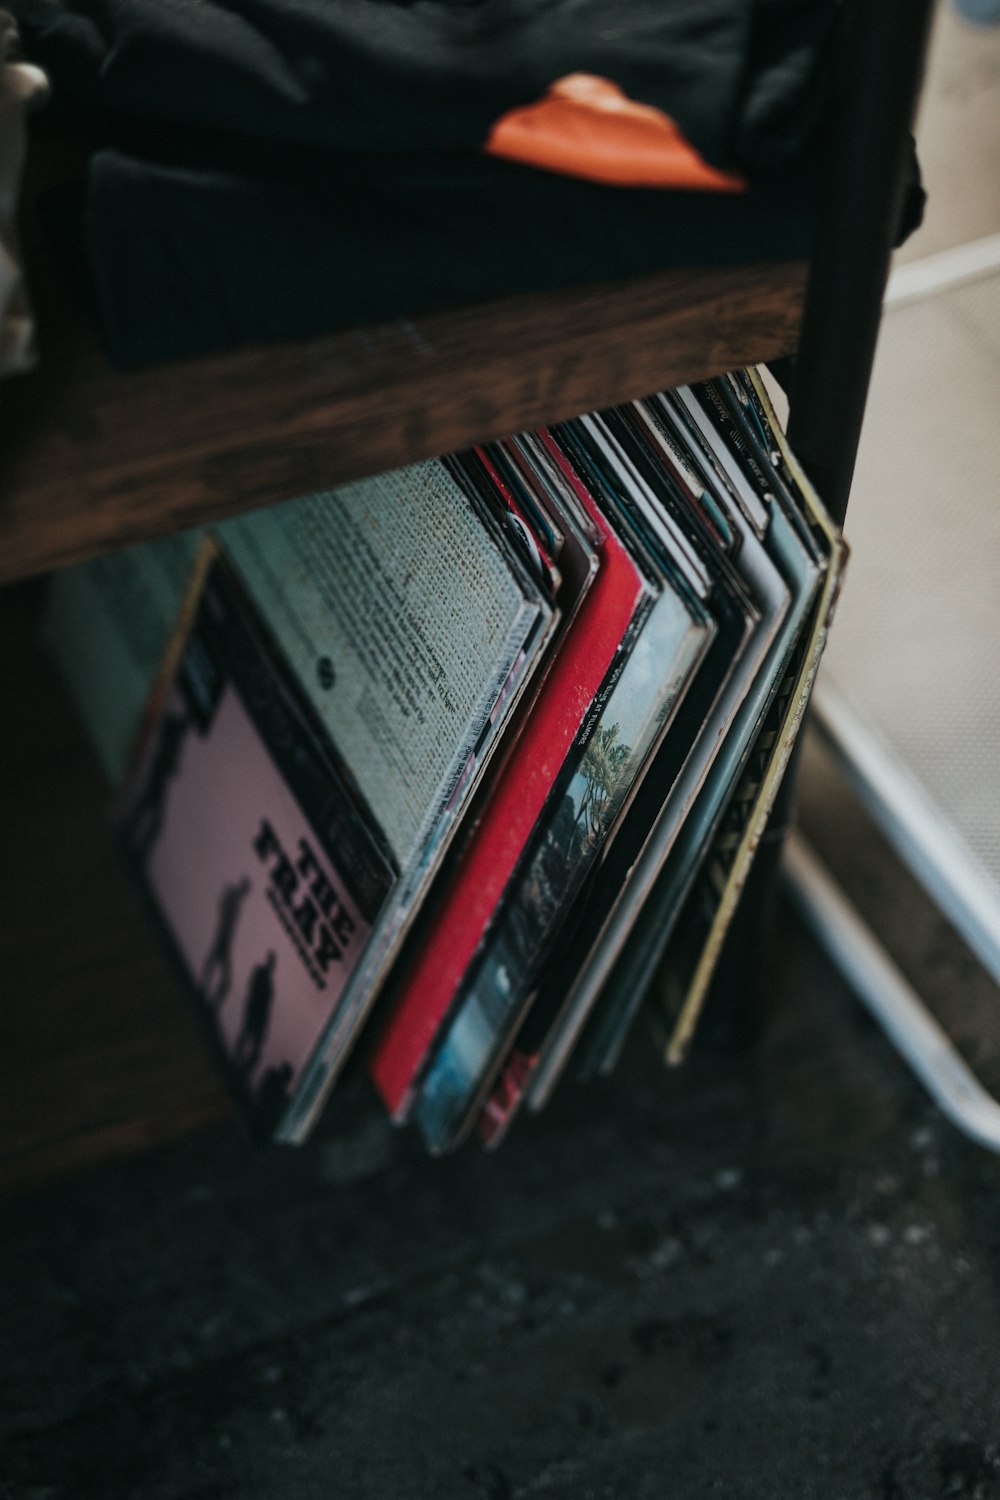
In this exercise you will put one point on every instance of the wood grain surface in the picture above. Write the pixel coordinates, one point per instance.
(94, 458)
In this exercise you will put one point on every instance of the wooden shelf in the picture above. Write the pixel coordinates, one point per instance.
(100, 1055)
(94, 458)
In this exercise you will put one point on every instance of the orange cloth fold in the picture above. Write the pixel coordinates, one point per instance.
(586, 126)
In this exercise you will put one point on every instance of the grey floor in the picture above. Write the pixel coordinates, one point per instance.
(766, 1275)
(914, 650)
(776, 1273)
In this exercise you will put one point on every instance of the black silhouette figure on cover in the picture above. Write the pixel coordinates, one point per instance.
(272, 1096)
(256, 1014)
(143, 824)
(217, 970)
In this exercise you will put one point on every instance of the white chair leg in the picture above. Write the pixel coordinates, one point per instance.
(896, 1006)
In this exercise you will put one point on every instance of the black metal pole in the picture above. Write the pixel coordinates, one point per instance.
(865, 154)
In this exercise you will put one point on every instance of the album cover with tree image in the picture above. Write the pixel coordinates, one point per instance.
(260, 856)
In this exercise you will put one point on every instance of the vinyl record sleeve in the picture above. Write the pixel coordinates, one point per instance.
(683, 985)
(411, 625)
(501, 493)
(689, 405)
(676, 874)
(263, 863)
(730, 712)
(676, 479)
(734, 618)
(600, 771)
(616, 602)
(441, 626)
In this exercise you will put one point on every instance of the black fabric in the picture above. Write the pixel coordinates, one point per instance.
(276, 168)
(193, 262)
(380, 75)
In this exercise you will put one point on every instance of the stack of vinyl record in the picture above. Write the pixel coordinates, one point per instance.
(431, 771)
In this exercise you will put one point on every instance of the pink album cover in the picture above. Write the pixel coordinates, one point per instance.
(261, 863)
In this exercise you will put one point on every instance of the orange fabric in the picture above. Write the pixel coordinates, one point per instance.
(587, 127)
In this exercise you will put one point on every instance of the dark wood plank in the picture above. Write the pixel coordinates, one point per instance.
(99, 1054)
(93, 458)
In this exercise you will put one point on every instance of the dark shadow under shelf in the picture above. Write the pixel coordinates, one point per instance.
(99, 1054)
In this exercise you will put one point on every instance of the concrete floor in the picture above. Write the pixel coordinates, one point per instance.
(771, 1274)
(766, 1275)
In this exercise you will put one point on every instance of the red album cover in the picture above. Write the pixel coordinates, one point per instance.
(505, 1100)
(462, 916)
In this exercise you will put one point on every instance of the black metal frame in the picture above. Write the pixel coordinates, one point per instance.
(866, 149)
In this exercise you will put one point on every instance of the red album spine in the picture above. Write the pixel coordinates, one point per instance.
(461, 918)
